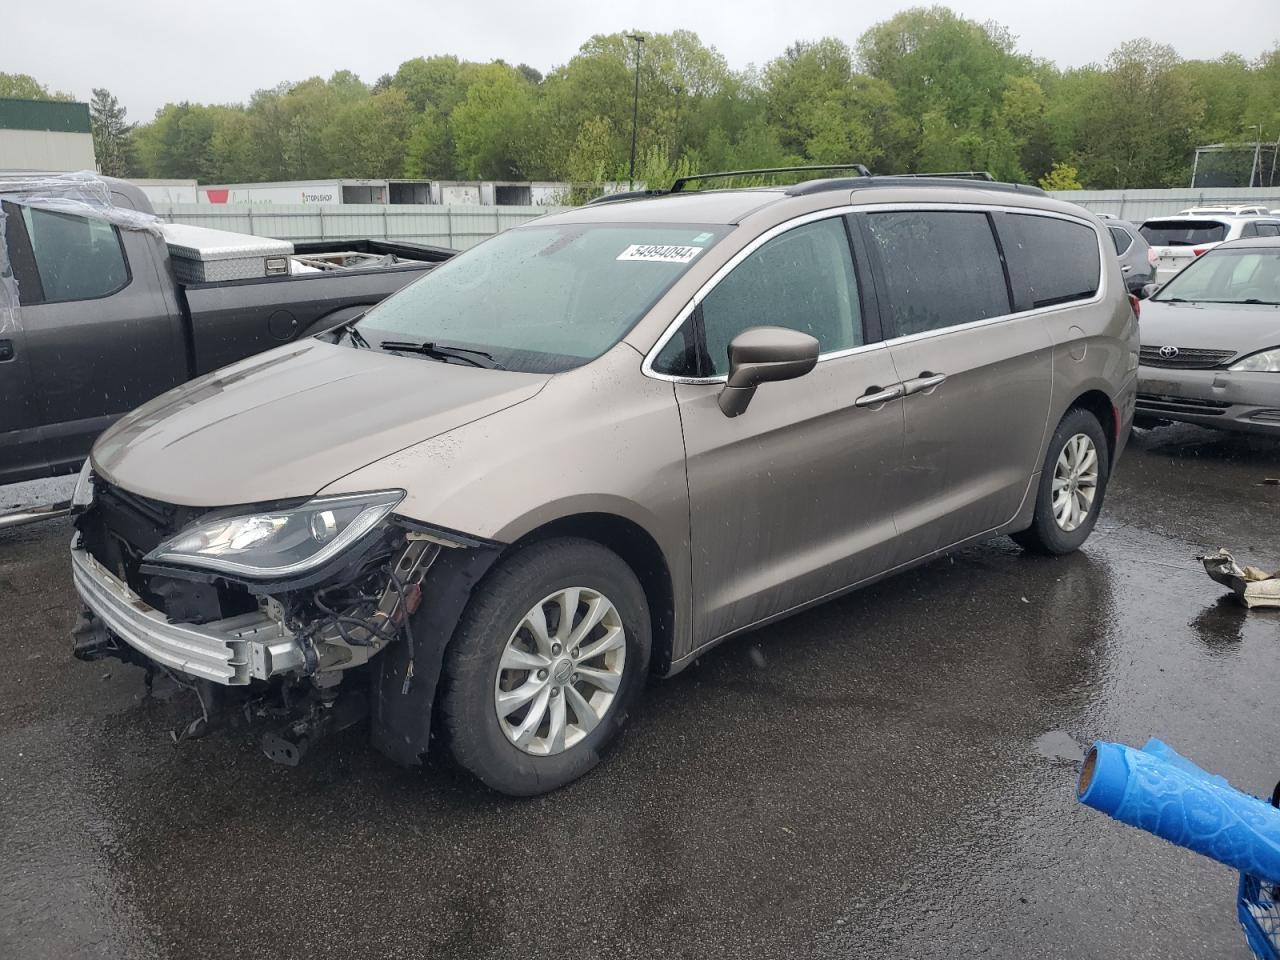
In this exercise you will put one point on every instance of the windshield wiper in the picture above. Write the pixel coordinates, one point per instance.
(436, 351)
(357, 338)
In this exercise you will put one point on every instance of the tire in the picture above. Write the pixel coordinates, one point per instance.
(1047, 533)
(494, 642)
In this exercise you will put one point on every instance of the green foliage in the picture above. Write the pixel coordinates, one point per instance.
(926, 90)
(22, 86)
(112, 134)
(1062, 176)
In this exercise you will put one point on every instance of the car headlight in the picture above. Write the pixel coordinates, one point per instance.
(1268, 361)
(82, 496)
(279, 543)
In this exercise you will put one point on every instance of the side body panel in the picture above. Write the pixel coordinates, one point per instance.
(972, 443)
(93, 360)
(795, 498)
(21, 452)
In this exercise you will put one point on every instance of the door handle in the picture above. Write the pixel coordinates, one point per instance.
(1126, 268)
(6, 350)
(875, 396)
(924, 383)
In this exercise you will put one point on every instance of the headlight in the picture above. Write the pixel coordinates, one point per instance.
(279, 543)
(1268, 361)
(82, 496)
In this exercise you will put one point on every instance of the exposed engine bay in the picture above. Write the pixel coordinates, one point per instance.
(306, 655)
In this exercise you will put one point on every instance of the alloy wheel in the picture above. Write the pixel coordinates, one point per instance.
(1075, 482)
(560, 671)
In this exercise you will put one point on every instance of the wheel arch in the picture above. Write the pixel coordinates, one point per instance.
(640, 551)
(1098, 403)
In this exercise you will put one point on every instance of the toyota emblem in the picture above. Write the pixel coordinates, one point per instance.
(1168, 352)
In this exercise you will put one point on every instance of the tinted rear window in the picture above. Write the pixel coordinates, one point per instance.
(941, 269)
(1182, 233)
(1121, 239)
(1059, 258)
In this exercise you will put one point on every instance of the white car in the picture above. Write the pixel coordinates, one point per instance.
(1226, 211)
(1176, 241)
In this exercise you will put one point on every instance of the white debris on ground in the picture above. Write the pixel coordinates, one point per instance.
(1254, 587)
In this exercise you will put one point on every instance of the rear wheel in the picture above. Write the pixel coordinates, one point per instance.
(547, 660)
(1073, 482)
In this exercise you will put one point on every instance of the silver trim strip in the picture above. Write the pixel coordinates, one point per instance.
(647, 366)
(222, 651)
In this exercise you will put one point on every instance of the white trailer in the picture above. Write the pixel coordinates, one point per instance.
(326, 192)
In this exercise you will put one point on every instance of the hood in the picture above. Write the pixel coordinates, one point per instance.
(1243, 327)
(289, 422)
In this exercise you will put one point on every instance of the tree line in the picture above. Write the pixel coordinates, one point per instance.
(926, 90)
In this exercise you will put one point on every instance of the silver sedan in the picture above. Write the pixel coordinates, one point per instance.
(1211, 342)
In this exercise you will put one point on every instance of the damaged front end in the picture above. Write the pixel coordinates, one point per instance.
(312, 613)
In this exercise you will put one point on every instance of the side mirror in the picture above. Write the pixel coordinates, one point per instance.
(762, 355)
(1148, 289)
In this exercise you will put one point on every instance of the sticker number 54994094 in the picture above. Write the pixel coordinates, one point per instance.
(660, 252)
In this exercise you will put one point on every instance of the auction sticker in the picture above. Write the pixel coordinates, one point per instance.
(660, 252)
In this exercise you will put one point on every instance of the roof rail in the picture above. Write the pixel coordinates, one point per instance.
(623, 195)
(681, 182)
(907, 180)
(953, 175)
(975, 179)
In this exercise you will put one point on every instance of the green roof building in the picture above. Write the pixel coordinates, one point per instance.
(50, 135)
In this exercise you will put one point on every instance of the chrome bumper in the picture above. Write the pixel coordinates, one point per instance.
(230, 652)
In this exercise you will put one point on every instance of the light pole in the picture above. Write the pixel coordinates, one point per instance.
(635, 110)
(1255, 170)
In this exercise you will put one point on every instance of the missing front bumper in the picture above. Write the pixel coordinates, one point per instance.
(231, 652)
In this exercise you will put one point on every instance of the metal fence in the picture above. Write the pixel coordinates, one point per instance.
(1139, 205)
(448, 226)
(464, 226)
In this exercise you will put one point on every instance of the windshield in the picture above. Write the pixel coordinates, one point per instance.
(1183, 233)
(1224, 275)
(542, 299)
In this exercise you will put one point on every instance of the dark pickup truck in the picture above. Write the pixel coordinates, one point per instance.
(102, 325)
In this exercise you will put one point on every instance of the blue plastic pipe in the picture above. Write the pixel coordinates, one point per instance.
(1191, 809)
(1162, 751)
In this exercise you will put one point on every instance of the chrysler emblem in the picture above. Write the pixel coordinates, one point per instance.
(1168, 352)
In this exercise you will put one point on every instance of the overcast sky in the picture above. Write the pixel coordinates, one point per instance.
(149, 53)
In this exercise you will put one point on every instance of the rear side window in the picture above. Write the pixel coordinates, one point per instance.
(1268, 228)
(77, 258)
(941, 269)
(1121, 239)
(1182, 233)
(1248, 231)
(1059, 258)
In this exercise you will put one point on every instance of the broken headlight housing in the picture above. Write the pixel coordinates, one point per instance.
(278, 543)
(1266, 361)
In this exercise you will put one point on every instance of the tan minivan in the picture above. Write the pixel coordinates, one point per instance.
(596, 445)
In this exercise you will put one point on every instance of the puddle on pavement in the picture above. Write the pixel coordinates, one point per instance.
(1059, 746)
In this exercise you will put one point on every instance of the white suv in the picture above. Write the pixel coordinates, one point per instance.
(1225, 211)
(1176, 241)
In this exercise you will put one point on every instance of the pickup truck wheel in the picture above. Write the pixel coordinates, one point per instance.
(545, 664)
(1073, 482)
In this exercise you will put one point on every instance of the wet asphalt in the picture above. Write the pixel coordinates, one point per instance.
(890, 775)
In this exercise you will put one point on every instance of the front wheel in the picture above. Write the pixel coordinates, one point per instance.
(1073, 482)
(550, 654)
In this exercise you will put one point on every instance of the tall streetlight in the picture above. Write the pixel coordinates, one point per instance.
(635, 110)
